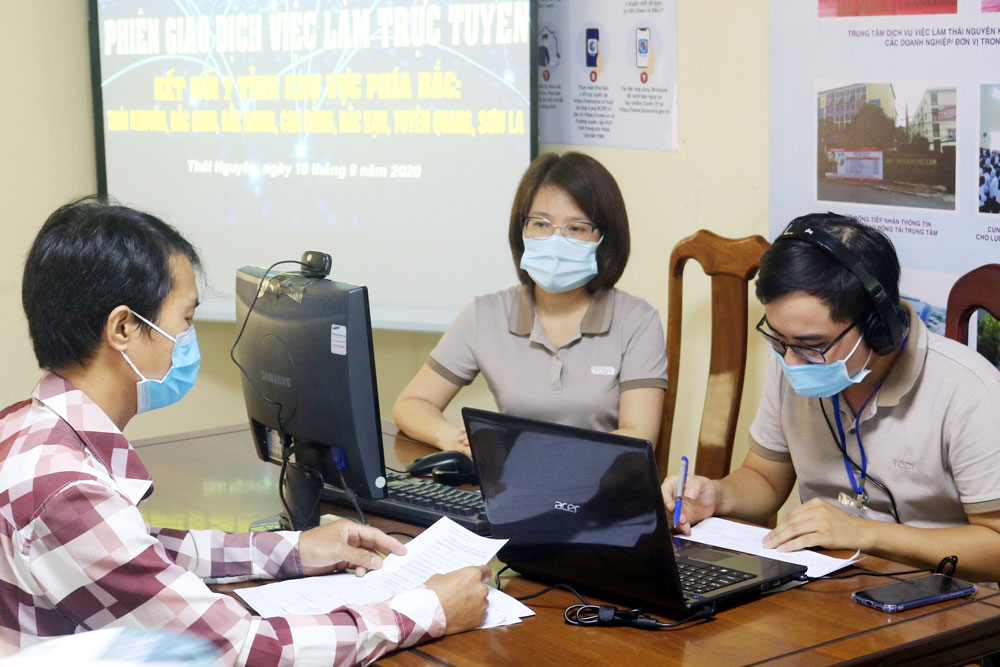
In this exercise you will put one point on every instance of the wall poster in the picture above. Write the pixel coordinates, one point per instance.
(889, 110)
(608, 73)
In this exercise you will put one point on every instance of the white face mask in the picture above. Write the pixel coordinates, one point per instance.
(558, 264)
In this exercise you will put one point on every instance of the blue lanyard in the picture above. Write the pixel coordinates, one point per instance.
(857, 483)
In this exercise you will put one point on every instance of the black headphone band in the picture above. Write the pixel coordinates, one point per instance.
(844, 256)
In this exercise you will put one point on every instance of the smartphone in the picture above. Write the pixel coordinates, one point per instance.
(914, 593)
(642, 48)
(592, 45)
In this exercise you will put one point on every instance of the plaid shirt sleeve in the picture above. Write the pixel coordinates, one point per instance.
(218, 557)
(89, 551)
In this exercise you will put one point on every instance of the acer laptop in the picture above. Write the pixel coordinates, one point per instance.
(584, 508)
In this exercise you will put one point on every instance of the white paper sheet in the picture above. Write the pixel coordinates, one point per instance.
(443, 547)
(741, 537)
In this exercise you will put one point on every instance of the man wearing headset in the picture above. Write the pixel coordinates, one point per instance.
(892, 432)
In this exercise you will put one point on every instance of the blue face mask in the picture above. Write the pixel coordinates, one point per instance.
(822, 380)
(184, 363)
(558, 264)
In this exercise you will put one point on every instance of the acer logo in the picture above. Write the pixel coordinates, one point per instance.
(566, 507)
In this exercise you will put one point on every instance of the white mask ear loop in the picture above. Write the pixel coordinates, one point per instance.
(137, 372)
(161, 331)
(851, 354)
(172, 338)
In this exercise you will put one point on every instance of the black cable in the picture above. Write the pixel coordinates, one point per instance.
(283, 441)
(401, 533)
(239, 335)
(314, 475)
(565, 587)
(609, 615)
(843, 450)
(401, 472)
(860, 573)
(587, 613)
(353, 497)
(499, 572)
(949, 563)
(946, 566)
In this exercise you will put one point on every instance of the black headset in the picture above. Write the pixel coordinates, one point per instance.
(883, 327)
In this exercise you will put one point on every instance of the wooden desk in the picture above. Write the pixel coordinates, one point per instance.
(215, 480)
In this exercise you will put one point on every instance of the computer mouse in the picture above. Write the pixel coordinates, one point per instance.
(448, 467)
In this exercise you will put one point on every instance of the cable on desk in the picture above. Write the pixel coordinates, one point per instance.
(606, 615)
(565, 587)
(946, 566)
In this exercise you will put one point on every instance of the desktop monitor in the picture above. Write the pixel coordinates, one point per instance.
(306, 351)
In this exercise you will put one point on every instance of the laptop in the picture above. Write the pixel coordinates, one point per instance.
(584, 508)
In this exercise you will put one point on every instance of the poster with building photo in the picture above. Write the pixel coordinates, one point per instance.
(888, 143)
(889, 110)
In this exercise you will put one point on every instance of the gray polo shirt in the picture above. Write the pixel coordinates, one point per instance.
(932, 434)
(619, 346)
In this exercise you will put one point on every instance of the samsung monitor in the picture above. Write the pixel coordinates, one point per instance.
(309, 385)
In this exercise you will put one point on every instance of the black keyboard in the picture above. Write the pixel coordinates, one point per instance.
(420, 502)
(698, 578)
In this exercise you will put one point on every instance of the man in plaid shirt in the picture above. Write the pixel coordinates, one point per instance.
(75, 553)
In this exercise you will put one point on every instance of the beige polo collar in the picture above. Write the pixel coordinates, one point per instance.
(908, 366)
(597, 319)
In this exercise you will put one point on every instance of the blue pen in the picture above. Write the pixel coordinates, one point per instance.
(680, 490)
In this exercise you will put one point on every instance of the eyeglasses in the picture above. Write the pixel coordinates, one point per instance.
(813, 355)
(540, 228)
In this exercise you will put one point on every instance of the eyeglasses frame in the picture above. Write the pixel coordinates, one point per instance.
(562, 227)
(802, 350)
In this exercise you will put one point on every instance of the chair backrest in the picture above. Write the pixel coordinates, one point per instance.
(731, 263)
(979, 288)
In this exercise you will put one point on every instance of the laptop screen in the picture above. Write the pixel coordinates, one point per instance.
(575, 504)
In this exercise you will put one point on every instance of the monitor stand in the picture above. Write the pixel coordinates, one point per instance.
(302, 490)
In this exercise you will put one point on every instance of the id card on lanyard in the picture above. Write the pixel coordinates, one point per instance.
(857, 505)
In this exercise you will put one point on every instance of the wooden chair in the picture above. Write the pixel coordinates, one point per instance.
(979, 288)
(731, 263)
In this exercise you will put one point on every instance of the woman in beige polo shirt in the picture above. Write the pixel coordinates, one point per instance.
(564, 345)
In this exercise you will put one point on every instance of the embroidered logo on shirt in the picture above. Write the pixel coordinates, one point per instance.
(602, 370)
(903, 465)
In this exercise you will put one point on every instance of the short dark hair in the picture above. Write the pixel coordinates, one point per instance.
(595, 191)
(88, 258)
(793, 265)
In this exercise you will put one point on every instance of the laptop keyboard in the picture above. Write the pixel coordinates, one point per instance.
(698, 578)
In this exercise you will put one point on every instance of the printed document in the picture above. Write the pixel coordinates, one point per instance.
(443, 547)
(750, 539)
